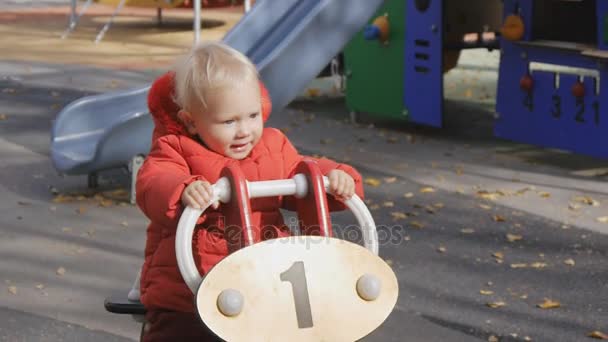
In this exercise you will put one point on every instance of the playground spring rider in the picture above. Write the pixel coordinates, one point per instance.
(297, 288)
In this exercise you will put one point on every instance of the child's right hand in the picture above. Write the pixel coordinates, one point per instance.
(199, 194)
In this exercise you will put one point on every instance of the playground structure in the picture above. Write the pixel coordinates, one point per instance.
(553, 74)
(553, 56)
(302, 296)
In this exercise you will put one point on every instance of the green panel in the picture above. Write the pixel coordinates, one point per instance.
(375, 70)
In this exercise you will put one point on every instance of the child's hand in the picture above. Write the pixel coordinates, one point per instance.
(341, 184)
(198, 195)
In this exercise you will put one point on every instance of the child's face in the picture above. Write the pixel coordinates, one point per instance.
(232, 123)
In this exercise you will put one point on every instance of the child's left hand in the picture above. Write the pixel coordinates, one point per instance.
(341, 184)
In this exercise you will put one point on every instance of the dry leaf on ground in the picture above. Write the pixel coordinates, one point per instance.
(397, 215)
(467, 230)
(12, 290)
(486, 292)
(60, 271)
(417, 224)
(598, 335)
(485, 206)
(603, 219)
(441, 249)
(408, 195)
(498, 218)
(390, 180)
(569, 262)
(549, 304)
(427, 189)
(388, 204)
(521, 265)
(538, 265)
(586, 200)
(372, 181)
(495, 305)
(513, 237)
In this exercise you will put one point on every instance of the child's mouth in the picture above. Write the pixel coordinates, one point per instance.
(239, 147)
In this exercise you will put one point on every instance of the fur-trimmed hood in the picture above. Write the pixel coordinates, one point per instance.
(164, 110)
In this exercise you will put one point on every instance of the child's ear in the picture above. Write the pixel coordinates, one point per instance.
(186, 118)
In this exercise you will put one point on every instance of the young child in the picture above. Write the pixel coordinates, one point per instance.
(216, 118)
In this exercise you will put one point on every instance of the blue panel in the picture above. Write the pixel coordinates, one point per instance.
(602, 15)
(555, 118)
(423, 88)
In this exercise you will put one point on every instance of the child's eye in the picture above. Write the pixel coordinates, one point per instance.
(228, 122)
(254, 115)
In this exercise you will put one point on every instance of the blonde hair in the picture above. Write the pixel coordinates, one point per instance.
(209, 67)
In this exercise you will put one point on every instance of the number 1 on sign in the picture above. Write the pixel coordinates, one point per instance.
(296, 275)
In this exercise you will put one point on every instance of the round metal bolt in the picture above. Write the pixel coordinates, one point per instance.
(368, 287)
(230, 302)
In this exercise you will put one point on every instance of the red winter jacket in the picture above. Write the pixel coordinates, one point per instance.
(177, 160)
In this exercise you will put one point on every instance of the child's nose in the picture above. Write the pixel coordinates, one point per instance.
(243, 130)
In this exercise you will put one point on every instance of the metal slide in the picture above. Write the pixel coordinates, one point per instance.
(290, 41)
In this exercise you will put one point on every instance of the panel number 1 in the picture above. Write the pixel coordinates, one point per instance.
(296, 275)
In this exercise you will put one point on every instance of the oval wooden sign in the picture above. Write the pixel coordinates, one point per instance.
(301, 288)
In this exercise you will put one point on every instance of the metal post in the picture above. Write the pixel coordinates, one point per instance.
(247, 5)
(72, 11)
(197, 21)
(107, 25)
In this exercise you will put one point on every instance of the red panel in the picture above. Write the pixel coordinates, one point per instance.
(237, 211)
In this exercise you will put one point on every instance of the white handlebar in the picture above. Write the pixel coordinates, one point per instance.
(297, 186)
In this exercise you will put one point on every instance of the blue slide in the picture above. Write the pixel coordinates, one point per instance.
(290, 41)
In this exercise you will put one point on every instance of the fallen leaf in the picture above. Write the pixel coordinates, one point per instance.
(489, 195)
(427, 190)
(81, 210)
(519, 265)
(544, 194)
(492, 338)
(2, 117)
(538, 265)
(467, 231)
(486, 292)
(388, 204)
(438, 205)
(549, 304)
(66, 229)
(573, 206)
(495, 305)
(429, 209)
(569, 262)
(498, 218)
(587, 200)
(441, 249)
(374, 207)
(598, 335)
(313, 92)
(12, 290)
(372, 181)
(124, 223)
(417, 224)
(390, 180)
(397, 215)
(40, 286)
(389, 262)
(392, 140)
(485, 207)
(603, 219)
(513, 237)
(468, 93)
(106, 203)
(408, 195)
(60, 271)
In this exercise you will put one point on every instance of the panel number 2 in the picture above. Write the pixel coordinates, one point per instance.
(296, 275)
